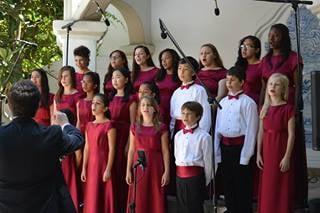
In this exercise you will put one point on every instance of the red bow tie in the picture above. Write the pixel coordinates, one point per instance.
(234, 96)
(186, 86)
(185, 131)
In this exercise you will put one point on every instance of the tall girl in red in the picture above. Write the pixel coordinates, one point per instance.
(81, 59)
(212, 72)
(274, 151)
(151, 136)
(45, 110)
(167, 81)
(118, 59)
(249, 53)
(143, 68)
(67, 97)
(98, 160)
(123, 112)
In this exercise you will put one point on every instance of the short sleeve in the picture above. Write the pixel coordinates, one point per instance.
(133, 129)
(291, 112)
(111, 125)
(163, 128)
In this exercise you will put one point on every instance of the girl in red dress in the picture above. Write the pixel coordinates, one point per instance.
(45, 110)
(281, 59)
(149, 88)
(123, 112)
(81, 59)
(167, 81)
(118, 59)
(212, 72)
(150, 136)
(67, 97)
(143, 68)
(98, 159)
(274, 150)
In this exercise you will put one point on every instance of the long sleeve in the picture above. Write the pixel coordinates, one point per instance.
(207, 156)
(202, 98)
(217, 138)
(71, 140)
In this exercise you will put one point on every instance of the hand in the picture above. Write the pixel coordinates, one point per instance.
(165, 179)
(60, 118)
(259, 161)
(83, 175)
(129, 177)
(285, 164)
(106, 175)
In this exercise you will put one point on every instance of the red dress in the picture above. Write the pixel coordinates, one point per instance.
(166, 87)
(145, 76)
(120, 114)
(211, 79)
(276, 187)
(98, 196)
(150, 194)
(108, 88)
(43, 115)
(68, 164)
(85, 113)
(79, 77)
(252, 85)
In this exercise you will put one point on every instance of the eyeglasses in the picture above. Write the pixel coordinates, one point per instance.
(246, 46)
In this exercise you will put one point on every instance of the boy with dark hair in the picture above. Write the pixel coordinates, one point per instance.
(81, 60)
(235, 138)
(193, 154)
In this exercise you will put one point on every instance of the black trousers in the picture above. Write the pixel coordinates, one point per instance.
(190, 194)
(237, 180)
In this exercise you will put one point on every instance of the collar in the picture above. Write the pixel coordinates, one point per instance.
(187, 85)
(190, 129)
(235, 96)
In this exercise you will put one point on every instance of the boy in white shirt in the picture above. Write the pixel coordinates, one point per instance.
(193, 157)
(235, 138)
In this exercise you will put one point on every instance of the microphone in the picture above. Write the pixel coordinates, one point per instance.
(216, 10)
(27, 42)
(163, 30)
(106, 21)
(141, 159)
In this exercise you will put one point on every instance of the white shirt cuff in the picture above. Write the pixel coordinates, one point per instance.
(64, 125)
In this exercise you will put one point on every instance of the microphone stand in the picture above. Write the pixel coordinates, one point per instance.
(212, 100)
(132, 204)
(68, 27)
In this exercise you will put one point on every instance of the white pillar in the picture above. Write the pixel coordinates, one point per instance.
(85, 33)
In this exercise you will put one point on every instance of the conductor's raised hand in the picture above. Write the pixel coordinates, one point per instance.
(60, 118)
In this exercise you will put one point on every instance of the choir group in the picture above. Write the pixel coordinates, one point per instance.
(165, 113)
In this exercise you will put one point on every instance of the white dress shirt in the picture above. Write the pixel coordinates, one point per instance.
(194, 149)
(236, 118)
(194, 93)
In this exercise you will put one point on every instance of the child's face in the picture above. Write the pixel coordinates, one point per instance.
(189, 118)
(185, 73)
(248, 49)
(97, 106)
(140, 56)
(166, 60)
(144, 91)
(275, 38)
(118, 80)
(66, 78)
(146, 108)
(87, 84)
(36, 78)
(233, 84)
(206, 56)
(274, 88)
(116, 61)
(81, 62)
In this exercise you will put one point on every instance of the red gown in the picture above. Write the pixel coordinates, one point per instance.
(252, 85)
(150, 194)
(43, 115)
(68, 164)
(166, 87)
(211, 79)
(98, 196)
(120, 114)
(108, 88)
(85, 114)
(79, 77)
(276, 187)
(145, 76)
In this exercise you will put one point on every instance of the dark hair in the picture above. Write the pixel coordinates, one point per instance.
(175, 63)
(194, 107)
(23, 98)
(194, 63)
(238, 72)
(215, 52)
(128, 88)
(135, 67)
(154, 89)
(285, 48)
(108, 75)
(95, 79)
(45, 94)
(106, 102)
(82, 51)
(257, 45)
(73, 81)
